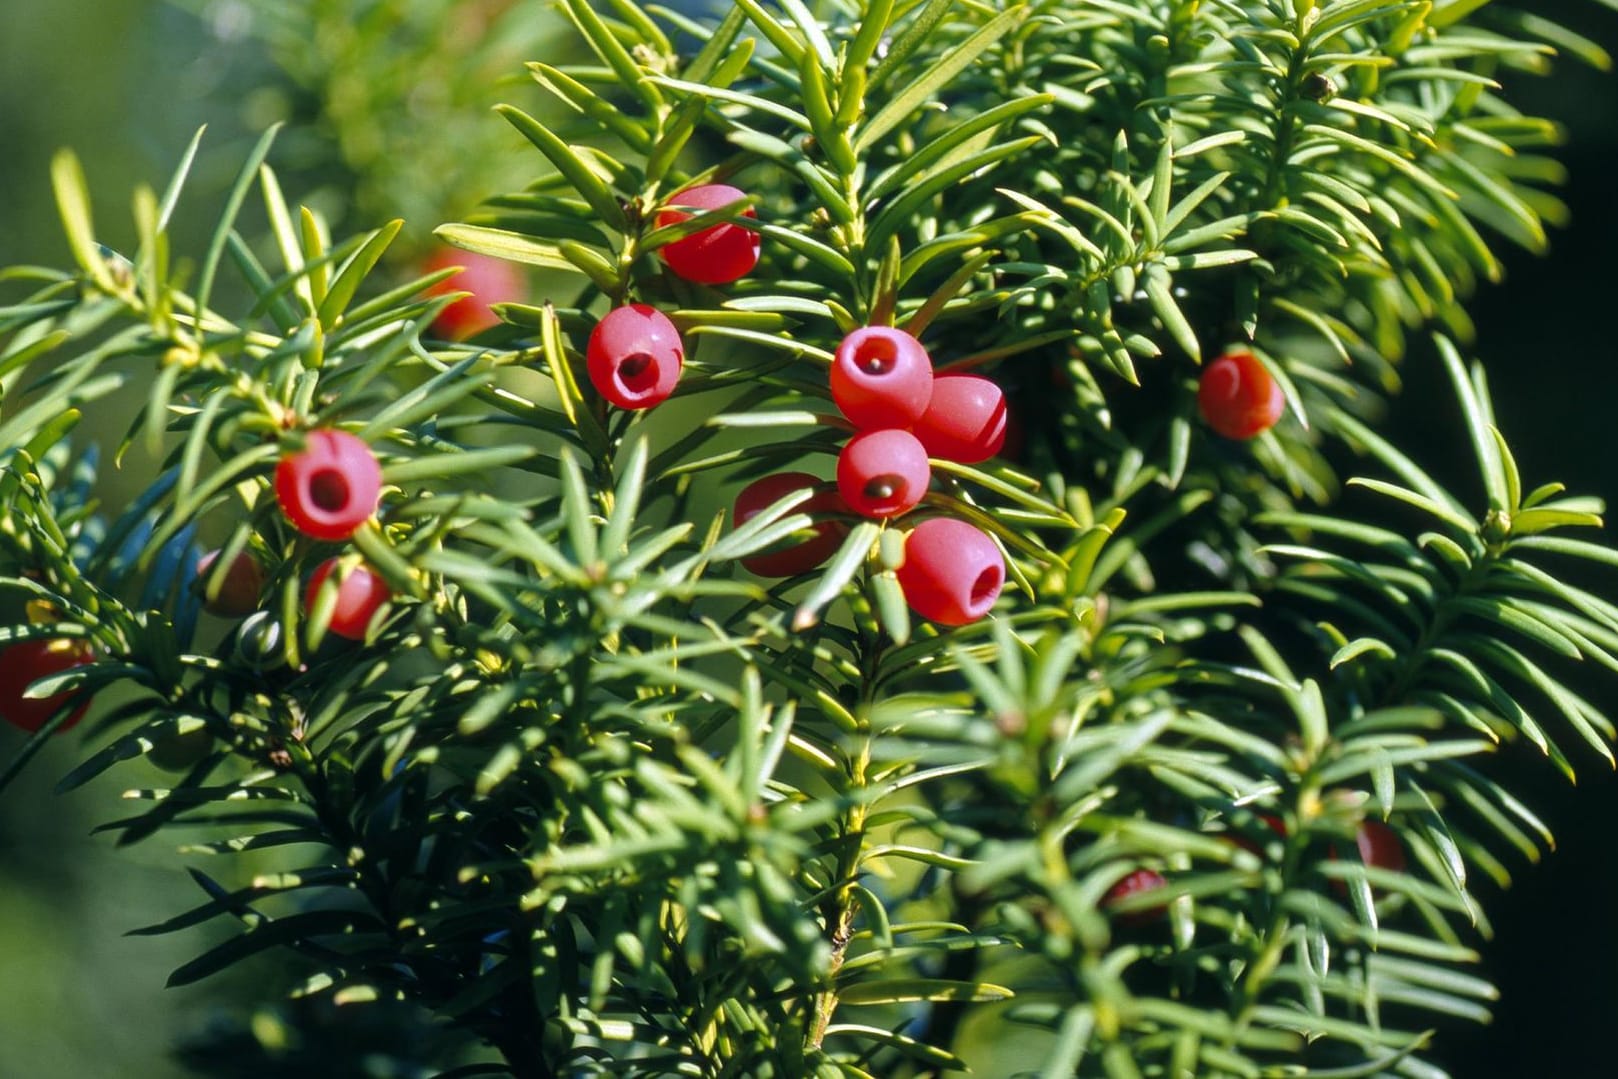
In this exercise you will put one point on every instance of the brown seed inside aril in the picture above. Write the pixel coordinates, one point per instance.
(637, 371)
(883, 488)
(328, 489)
(876, 357)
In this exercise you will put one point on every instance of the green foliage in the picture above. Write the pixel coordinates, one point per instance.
(363, 83)
(597, 801)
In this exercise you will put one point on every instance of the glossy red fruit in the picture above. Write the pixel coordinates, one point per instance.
(952, 571)
(798, 556)
(238, 594)
(1136, 883)
(634, 356)
(360, 592)
(881, 377)
(23, 663)
(330, 487)
(488, 280)
(965, 419)
(883, 473)
(1238, 397)
(718, 254)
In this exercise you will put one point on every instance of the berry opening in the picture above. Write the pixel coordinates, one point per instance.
(328, 490)
(637, 372)
(877, 356)
(986, 589)
(881, 378)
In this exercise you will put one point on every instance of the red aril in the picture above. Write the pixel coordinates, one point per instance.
(718, 254)
(881, 377)
(331, 486)
(965, 419)
(25, 662)
(635, 356)
(952, 572)
(360, 593)
(1238, 397)
(883, 473)
(486, 279)
(798, 556)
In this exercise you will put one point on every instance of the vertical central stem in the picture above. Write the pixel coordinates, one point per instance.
(842, 905)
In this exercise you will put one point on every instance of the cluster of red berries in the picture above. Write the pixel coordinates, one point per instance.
(635, 355)
(882, 380)
(326, 490)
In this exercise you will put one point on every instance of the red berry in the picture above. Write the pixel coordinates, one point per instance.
(360, 592)
(238, 594)
(952, 571)
(634, 356)
(883, 473)
(488, 279)
(718, 254)
(1238, 397)
(1379, 846)
(965, 419)
(1137, 882)
(881, 377)
(801, 556)
(330, 487)
(23, 663)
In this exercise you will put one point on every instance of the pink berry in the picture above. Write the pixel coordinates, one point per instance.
(359, 593)
(330, 487)
(1136, 883)
(1238, 397)
(881, 377)
(489, 281)
(634, 356)
(238, 594)
(883, 473)
(798, 557)
(965, 420)
(718, 254)
(952, 571)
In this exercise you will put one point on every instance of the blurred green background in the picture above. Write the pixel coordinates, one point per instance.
(126, 83)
